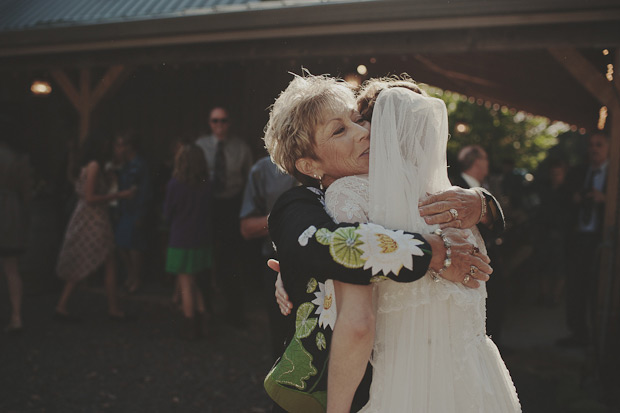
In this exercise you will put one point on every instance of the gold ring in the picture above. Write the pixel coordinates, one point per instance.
(454, 213)
(466, 279)
(472, 270)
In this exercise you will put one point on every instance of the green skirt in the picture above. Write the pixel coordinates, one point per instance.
(188, 260)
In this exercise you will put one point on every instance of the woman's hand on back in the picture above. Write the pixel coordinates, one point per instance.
(467, 260)
(466, 202)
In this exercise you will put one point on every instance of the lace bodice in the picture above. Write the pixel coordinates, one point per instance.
(347, 199)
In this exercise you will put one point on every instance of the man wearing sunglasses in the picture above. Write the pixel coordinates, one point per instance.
(229, 160)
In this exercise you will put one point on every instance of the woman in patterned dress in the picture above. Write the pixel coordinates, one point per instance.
(89, 241)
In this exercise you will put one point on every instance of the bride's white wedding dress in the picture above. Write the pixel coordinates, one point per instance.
(431, 352)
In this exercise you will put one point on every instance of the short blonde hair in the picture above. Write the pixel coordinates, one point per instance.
(295, 115)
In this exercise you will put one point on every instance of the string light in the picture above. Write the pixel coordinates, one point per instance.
(602, 118)
(605, 52)
(610, 72)
(362, 70)
(461, 127)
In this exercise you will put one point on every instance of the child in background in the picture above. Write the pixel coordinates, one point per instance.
(187, 208)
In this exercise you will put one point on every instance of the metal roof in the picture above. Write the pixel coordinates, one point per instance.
(36, 14)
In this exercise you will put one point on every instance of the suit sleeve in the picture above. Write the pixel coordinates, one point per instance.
(499, 223)
(310, 244)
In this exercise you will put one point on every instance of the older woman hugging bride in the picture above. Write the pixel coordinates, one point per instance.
(430, 351)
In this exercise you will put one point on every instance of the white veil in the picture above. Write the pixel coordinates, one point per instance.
(430, 342)
(407, 157)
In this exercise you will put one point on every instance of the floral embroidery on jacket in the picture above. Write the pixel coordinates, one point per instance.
(368, 245)
(387, 251)
(326, 304)
(306, 235)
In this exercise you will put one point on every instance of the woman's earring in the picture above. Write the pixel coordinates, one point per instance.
(320, 179)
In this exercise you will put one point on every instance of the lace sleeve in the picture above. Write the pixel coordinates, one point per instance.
(347, 199)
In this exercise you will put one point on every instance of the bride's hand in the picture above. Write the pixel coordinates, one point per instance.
(469, 265)
(281, 295)
(466, 202)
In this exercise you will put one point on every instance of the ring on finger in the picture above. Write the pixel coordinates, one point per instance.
(472, 270)
(454, 213)
(466, 279)
(475, 250)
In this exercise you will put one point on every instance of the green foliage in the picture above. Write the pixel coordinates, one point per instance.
(504, 133)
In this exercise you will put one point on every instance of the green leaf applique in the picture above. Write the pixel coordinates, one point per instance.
(345, 247)
(324, 236)
(303, 324)
(295, 367)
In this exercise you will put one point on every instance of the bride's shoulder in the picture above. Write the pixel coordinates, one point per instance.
(357, 182)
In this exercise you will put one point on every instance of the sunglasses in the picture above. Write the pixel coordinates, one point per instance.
(219, 120)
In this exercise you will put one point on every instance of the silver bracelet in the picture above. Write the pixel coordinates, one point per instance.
(436, 275)
(483, 201)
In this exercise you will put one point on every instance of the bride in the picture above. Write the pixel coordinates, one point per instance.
(431, 352)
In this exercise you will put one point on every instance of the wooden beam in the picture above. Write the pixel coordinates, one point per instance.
(86, 107)
(492, 39)
(107, 81)
(587, 74)
(86, 98)
(617, 71)
(67, 87)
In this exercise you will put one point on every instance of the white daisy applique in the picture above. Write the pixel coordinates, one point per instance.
(306, 235)
(326, 304)
(387, 251)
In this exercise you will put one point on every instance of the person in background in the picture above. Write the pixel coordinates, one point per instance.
(161, 177)
(473, 163)
(587, 184)
(89, 241)
(265, 184)
(187, 208)
(15, 189)
(552, 225)
(229, 160)
(131, 228)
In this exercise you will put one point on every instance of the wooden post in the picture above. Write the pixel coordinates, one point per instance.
(86, 98)
(608, 299)
(613, 183)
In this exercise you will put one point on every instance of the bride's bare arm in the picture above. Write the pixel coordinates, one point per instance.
(352, 342)
(354, 331)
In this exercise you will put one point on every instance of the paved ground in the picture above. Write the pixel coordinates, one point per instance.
(141, 366)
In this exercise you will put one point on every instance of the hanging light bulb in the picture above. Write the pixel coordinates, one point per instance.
(41, 87)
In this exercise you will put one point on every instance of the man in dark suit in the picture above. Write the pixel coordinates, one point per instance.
(473, 165)
(587, 183)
